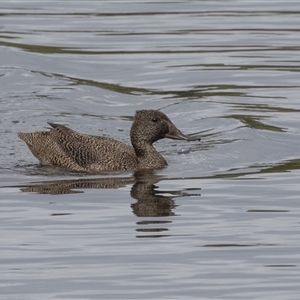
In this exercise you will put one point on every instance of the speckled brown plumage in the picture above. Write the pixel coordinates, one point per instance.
(74, 151)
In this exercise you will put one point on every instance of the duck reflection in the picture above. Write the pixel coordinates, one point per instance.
(73, 186)
(151, 202)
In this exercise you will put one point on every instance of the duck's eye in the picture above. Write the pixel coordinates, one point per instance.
(154, 120)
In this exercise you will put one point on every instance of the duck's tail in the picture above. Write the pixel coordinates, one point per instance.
(27, 137)
(37, 143)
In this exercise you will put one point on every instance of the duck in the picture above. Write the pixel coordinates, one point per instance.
(74, 151)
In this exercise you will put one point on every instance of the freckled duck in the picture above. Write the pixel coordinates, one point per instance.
(74, 151)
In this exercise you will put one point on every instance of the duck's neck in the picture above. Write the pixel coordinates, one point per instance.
(148, 157)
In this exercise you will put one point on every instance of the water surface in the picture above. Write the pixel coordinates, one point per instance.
(222, 220)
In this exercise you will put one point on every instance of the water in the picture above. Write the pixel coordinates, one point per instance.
(222, 220)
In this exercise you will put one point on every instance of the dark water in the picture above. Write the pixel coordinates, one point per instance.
(222, 220)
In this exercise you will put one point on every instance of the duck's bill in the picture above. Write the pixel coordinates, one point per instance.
(176, 134)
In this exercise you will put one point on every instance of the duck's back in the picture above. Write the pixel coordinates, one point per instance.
(64, 147)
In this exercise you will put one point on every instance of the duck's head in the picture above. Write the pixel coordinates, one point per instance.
(152, 125)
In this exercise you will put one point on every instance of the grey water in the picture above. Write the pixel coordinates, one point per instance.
(222, 221)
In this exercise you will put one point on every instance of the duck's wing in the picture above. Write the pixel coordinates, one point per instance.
(89, 150)
(74, 145)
